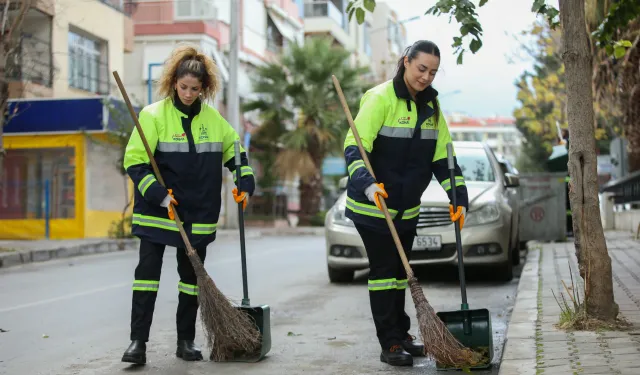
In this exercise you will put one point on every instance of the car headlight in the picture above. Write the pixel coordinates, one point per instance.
(486, 214)
(339, 217)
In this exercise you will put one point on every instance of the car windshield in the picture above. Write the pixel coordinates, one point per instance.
(475, 164)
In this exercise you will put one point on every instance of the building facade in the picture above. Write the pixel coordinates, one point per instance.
(499, 133)
(389, 40)
(60, 176)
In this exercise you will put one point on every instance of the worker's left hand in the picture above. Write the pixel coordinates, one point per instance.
(458, 215)
(240, 198)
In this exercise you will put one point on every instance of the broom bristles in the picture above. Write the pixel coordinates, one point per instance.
(228, 330)
(439, 343)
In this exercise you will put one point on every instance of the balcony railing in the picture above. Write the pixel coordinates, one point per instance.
(327, 8)
(32, 61)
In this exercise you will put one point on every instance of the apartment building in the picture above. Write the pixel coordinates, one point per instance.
(389, 39)
(329, 18)
(500, 133)
(61, 178)
(160, 25)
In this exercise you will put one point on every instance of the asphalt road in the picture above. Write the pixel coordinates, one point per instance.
(72, 316)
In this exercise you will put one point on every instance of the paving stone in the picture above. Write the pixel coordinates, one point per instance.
(558, 354)
(613, 334)
(520, 349)
(525, 330)
(554, 336)
(627, 357)
(518, 367)
(595, 370)
(552, 362)
(622, 352)
(558, 370)
(579, 335)
(589, 350)
(591, 360)
(556, 345)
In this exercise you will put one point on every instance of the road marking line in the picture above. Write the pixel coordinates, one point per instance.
(120, 285)
(68, 296)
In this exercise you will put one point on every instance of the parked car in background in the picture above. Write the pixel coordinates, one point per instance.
(514, 197)
(489, 236)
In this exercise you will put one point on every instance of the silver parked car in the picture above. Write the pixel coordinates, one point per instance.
(489, 236)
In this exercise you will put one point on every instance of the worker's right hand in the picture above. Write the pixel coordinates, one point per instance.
(169, 199)
(374, 191)
(242, 197)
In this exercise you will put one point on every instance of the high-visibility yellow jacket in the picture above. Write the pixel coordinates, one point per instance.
(190, 145)
(405, 147)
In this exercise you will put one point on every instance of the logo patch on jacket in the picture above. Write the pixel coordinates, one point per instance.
(203, 133)
(404, 120)
(179, 137)
(429, 123)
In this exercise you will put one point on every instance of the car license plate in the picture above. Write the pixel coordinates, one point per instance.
(429, 243)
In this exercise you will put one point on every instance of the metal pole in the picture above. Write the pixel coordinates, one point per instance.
(47, 204)
(231, 215)
(149, 82)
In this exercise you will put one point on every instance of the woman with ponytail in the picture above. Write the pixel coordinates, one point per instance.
(405, 136)
(191, 142)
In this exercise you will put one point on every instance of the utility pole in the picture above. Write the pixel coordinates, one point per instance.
(233, 108)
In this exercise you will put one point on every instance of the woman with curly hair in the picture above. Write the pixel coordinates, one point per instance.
(191, 142)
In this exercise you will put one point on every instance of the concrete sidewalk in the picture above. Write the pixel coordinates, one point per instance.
(535, 346)
(13, 253)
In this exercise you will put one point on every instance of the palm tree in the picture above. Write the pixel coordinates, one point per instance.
(302, 118)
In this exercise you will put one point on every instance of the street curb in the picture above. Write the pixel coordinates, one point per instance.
(519, 355)
(19, 257)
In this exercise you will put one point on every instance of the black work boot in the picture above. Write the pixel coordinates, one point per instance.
(413, 347)
(188, 351)
(396, 356)
(136, 353)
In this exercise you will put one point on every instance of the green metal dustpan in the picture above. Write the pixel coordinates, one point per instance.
(472, 328)
(261, 314)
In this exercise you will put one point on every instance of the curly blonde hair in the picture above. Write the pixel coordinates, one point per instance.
(188, 60)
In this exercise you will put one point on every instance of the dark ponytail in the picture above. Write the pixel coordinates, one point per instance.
(411, 52)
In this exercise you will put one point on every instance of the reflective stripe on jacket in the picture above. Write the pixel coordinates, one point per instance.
(190, 146)
(405, 147)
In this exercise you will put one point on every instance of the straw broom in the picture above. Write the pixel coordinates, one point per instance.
(228, 330)
(439, 343)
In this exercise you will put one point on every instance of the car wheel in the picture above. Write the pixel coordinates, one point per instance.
(505, 271)
(340, 275)
(515, 253)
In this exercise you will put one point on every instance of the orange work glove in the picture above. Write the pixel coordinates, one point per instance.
(374, 191)
(458, 215)
(240, 198)
(168, 200)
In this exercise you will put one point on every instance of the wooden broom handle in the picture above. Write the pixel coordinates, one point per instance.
(190, 249)
(363, 154)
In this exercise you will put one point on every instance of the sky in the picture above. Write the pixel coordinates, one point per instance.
(484, 85)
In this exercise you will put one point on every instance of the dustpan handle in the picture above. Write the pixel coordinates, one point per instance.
(243, 253)
(452, 182)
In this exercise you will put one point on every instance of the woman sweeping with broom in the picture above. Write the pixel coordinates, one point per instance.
(190, 142)
(405, 135)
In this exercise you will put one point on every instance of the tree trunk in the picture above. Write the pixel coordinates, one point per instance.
(591, 247)
(310, 196)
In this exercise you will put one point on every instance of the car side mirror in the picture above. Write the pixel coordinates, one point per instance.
(342, 184)
(511, 180)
